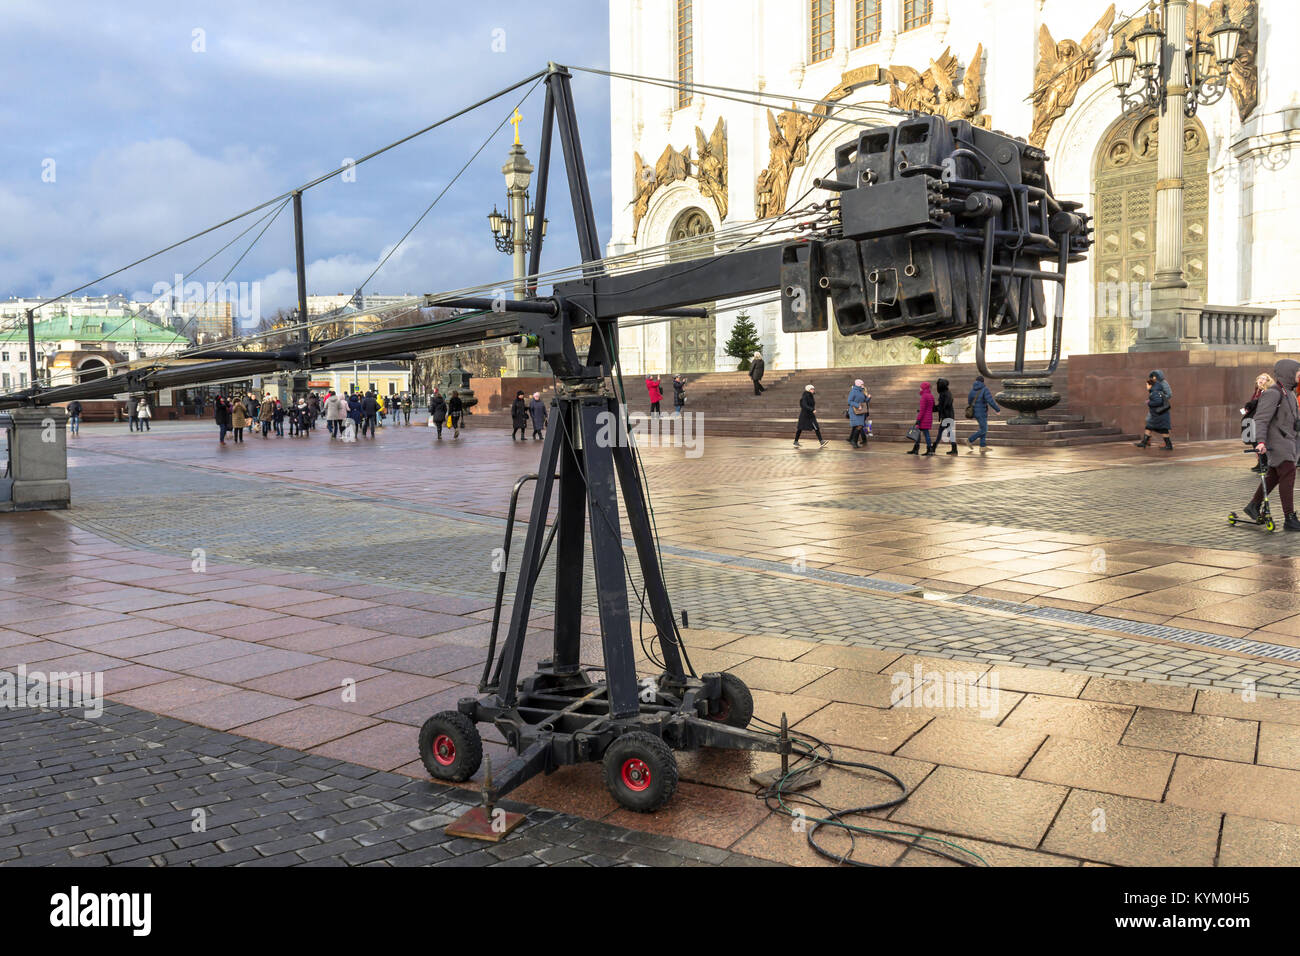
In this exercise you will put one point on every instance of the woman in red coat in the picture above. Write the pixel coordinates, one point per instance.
(924, 420)
(656, 394)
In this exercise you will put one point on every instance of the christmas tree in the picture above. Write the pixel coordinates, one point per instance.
(743, 342)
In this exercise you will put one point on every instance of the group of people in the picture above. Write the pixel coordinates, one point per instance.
(930, 406)
(268, 414)
(446, 412)
(1275, 417)
(523, 411)
(654, 388)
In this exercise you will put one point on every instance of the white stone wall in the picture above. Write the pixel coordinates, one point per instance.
(763, 45)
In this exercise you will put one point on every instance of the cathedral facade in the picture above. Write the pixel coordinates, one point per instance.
(697, 155)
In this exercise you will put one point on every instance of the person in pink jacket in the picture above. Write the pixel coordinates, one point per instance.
(656, 393)
(924, 419)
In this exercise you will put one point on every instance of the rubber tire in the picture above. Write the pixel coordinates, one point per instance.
(738, 703)
(1269, 524)
(663, 771)
(464, 735)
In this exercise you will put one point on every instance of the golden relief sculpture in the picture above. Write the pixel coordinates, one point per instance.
(935, 90)
(1062, 69)
(674, 165)
(1243, 80)
(932, 91)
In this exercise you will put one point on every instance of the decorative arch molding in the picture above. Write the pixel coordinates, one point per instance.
(666, 207)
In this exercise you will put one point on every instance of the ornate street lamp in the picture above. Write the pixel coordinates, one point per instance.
(1208, 65)
(503, 226)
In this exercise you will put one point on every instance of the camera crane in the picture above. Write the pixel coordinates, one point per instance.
(935, 228)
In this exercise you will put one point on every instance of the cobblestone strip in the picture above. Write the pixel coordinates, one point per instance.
(126, 789)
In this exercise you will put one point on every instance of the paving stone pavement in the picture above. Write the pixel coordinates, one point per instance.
(124, 789)
(397, 542)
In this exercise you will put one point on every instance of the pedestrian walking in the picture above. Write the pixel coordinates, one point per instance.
(756, 367)
(369, 413)
(277, 418)
(679, 394)
(143, 413)
(221, 414)
(1277, 428)
(859, 408)
(537, 411)
(132, 414)
(1263, 382)
(406, 408)
(238, 419)
(656, 393)
(924, 420)
(455, 409)
(519, 417)
(978, 403)
(264, 413)
(947, 415)
(437, 411)
(1159, 402)
(335, 411)
(74, 417)
(808, 416)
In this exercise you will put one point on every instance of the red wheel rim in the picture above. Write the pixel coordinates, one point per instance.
(444, 750)
(636, 774)
(722, 710)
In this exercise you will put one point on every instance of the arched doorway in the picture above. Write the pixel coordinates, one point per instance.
(1126, 174)
(91, 369)
(691, 342)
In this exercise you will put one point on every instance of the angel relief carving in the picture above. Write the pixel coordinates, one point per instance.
(675, 165)
(1062, 69)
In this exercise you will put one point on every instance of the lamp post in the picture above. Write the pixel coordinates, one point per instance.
(1175, 77)
(513, 232)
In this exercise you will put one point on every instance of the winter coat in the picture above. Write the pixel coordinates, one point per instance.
(266, 412)
(277, 412)
(943, 409)
(142, 411)
(74, 409)
(437, 407)
(221, 413)
(537, 408)
(756, 369)
(369, 407)
(981, 399)
(807, 411)
(857, 396)
(334, 409)
(654, 388)
(1158, 403)
(519, 413)
(679, 392)
(454, 408)
(354, 408)
(238, 415)
(925, 409)
(1277, 417)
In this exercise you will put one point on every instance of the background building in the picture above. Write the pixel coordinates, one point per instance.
(74, 346)
(688, 164)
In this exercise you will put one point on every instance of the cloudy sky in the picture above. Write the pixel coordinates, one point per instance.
(127, 126)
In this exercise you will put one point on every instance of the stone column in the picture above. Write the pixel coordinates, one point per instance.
(38, 460)
(1174, 323)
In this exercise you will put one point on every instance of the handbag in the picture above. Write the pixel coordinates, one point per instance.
(448, 422)
(970, 410)
(914, 434)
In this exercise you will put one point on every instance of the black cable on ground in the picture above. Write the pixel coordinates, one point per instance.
(813, 754)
